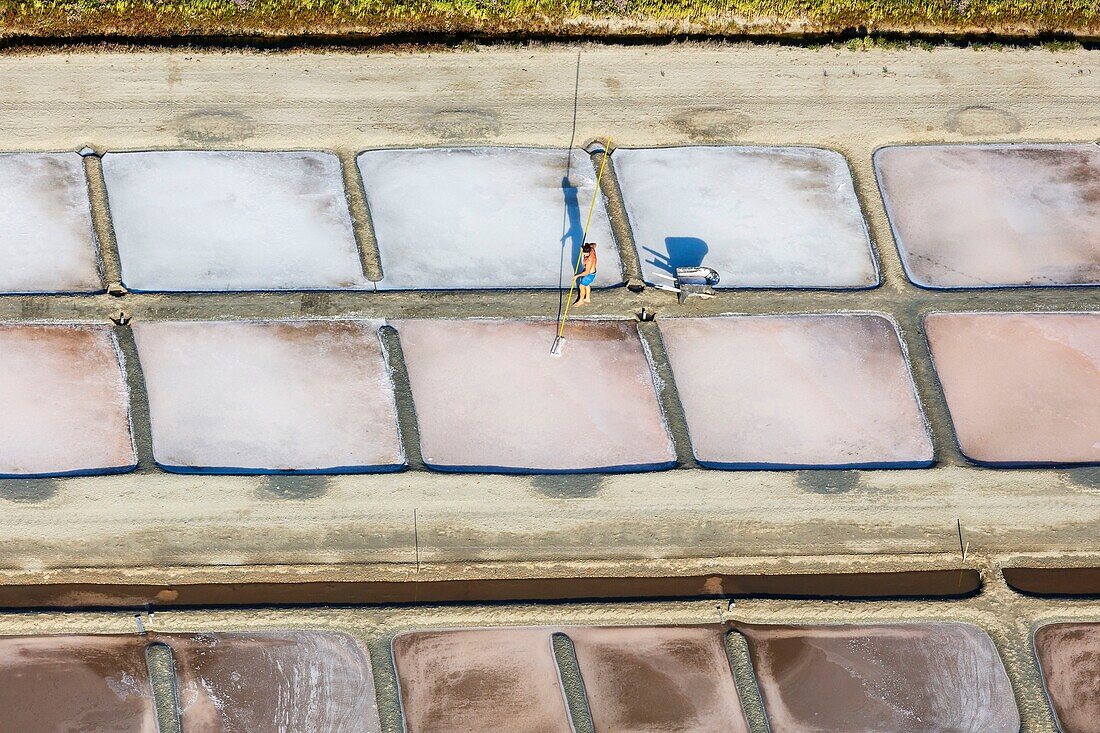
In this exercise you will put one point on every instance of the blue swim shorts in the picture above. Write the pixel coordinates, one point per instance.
(587, 280)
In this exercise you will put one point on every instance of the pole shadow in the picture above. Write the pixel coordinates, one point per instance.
(572, 228)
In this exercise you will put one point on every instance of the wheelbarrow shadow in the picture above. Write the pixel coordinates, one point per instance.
(679, 252)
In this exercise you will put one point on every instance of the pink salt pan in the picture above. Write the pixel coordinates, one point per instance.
(480, 680)
(489, 397)
(973, 216)
(256, 397)
(797, 392)
(64, 401)
(1022, 388)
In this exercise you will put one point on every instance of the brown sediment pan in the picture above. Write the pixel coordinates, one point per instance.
(288, 680)
(903, 584)
(904, 678)
(499, 679)
(91, 684)
(658, 678)
(1054, 581)
(1069, 657)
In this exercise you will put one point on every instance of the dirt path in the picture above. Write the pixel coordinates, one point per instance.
(639, 95)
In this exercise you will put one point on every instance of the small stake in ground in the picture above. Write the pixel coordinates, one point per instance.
(416, 540)
(962, 548)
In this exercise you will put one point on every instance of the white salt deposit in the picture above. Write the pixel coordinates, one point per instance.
(269, 396)
(484, 218)
(47, 243)
(762, 217)
(208, 220)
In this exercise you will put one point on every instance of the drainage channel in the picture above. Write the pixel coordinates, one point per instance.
(935, 583)
(407, 423)
(162, 673)
(572, 683)
(615, 206)
(362, 223)
(752, 703)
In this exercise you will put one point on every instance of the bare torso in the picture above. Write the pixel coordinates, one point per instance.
(589, 263)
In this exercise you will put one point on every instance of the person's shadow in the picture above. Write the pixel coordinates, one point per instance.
(572, 230)
(680, 252)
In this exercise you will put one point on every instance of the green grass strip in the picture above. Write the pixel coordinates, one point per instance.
(566, 17)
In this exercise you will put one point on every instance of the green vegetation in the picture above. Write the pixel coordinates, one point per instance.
(155, 18)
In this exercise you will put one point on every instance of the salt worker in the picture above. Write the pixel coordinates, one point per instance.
(587, 275)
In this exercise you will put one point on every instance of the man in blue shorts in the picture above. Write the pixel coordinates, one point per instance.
(587, 275)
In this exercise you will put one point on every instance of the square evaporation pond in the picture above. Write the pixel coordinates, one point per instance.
(217, 221)
(1069, 657)
(291, 681)
(492, 679)
(47, 242)
(269, 396)
(86, 683)
(762, 217)
(977, 216)
(658, 678)
(812, 391)
(1022, 388)
(65, 402)
(489, 397)
(467, 218)
(902, 678)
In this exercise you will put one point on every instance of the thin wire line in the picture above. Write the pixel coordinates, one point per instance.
(568, 170)
(576, 100)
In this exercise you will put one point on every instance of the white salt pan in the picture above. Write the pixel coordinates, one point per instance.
(484, 218)
(47, 243)
(232, 221)
(762, 217)
(247, 397)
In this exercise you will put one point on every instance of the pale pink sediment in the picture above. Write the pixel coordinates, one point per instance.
(46, 240)
(815, 390)
(64, 400)
(1021, 387)
(489, 395)
(994, 215)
